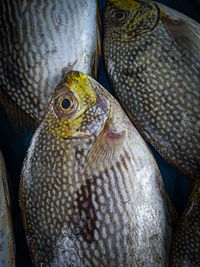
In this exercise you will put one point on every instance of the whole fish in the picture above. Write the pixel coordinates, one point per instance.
(186, 241)
(7, 246)
(39, 41)
(152, 56)
(91, 192)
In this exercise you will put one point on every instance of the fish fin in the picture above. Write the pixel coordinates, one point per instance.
(184, 31)
(19, 119)
(106, 149)
(97, 54)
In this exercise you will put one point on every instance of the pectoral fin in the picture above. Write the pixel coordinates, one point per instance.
(106, 149)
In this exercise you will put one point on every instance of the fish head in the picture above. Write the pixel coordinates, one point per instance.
(127, 19)
(79, 108)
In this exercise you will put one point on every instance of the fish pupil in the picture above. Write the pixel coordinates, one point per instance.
(66, 103)
(119, 15)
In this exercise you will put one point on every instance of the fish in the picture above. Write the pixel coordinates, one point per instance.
(152, 57)
(41, 40)
(7, 243)
(185, 249)
(91, 192)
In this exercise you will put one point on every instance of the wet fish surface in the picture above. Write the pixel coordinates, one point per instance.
(186, 241)
(7, 245)
(152, 56)
(40, 40)
(91, 192)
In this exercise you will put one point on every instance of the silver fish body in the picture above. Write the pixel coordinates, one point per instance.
(152, 55)
(91, 192)
(41, 40)
(7, 245)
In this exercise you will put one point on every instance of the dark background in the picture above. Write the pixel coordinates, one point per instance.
(14, 148)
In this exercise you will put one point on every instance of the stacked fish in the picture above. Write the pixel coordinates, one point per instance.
(91, 193)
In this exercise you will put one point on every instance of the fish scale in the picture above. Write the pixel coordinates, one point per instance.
(156, 79)
(41, 40)
(91, 193)
(186, 241)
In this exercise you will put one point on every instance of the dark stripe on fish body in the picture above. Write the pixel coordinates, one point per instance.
(127, 192)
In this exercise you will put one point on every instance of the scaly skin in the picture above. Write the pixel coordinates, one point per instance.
(185, 250)
(91, 192)
(152, 55)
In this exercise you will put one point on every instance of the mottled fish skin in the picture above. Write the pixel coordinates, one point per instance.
(91, 192)
(185, 250)
(152, 56)
(39, 41)
(7, 246)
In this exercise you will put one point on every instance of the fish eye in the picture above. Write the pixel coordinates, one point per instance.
(65, 103)
(119, 15)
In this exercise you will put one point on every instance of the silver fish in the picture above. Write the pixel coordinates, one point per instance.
(39, 41)
(152, 55)
(91, 192)
(7, 245)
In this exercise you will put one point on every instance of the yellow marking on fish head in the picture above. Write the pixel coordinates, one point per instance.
(129, 5)
(72, 113)
(136, 17)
